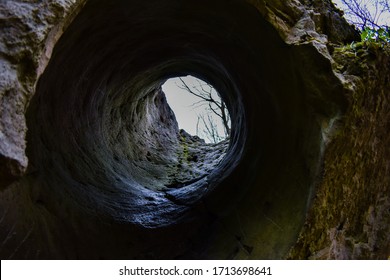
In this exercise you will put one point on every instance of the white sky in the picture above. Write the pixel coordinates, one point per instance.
(384, 19)
(184, 107)
(181, 103)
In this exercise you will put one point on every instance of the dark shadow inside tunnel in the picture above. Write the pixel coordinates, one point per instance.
(107, 162)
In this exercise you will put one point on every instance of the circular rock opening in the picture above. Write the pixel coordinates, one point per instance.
(111, 143)
(105, 149)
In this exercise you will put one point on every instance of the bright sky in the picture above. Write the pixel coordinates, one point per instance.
(183, 105)
(384, 19)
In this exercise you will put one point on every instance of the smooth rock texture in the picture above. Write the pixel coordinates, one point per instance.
(111, 176)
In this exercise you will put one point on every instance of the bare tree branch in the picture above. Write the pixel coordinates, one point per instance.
(216, 107)
(367, 13)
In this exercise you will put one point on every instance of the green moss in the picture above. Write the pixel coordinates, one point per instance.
(183, 153)
(355, 176)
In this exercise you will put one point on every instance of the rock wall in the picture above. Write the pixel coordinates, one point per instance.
(351, 214)
(29, 32)
(103, 171)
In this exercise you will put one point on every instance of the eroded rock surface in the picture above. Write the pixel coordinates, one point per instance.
(29, 31)
(196, 159)
(350, 218)
(104, 172)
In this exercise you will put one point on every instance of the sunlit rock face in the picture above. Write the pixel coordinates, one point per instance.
(104, 171)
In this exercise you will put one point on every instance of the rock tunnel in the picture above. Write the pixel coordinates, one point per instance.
(103, 145)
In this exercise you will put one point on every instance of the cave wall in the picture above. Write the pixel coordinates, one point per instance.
(28, 34)
(350, 216)
(89, 179)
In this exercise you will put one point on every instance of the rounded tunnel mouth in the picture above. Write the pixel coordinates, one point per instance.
(102, 141)
(104, 134)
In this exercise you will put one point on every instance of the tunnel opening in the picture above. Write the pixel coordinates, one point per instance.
(104, 147)
(199, 108)
(118, 151)
(201, 114)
